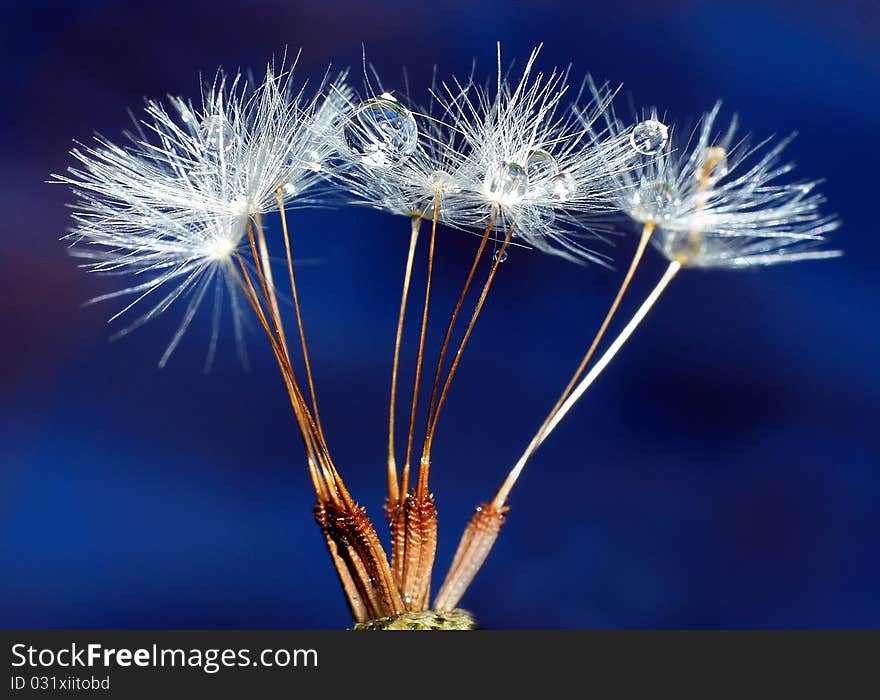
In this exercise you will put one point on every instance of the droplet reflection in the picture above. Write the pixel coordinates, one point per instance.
(649, 137)
(382, 132)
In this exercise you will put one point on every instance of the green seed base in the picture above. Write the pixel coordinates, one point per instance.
(422, 620)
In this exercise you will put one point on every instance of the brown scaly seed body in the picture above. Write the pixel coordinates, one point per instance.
(420, 547)
(360, 561)
(473, 548)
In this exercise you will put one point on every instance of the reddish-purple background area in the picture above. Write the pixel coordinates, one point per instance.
(724, 472)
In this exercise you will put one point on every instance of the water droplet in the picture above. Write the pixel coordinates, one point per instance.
(683, 246)
(500, 258)
(649, 137)
(289, 190)
(441, 182)
(506, 183)
(561, 187)
(539, 165)
(217, 133)
(382, 132)
(714, 164)
(653, 201)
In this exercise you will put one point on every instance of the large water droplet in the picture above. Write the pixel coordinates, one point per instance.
(539, 165)
(561, 187)
(382, 132)
(654, 201)
(217, 133)
(289, 190)
(714, 165)
(506, 182)
(649, 137)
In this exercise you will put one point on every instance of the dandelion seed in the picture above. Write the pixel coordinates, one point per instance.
(172, 205)
(181, 206)
(701, 206)
(529, 159)
(719, 185)
(405, 162)
(728, 214)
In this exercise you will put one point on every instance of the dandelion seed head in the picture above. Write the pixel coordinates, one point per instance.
(716, 200)
(172, 204)
(514, 153)
(719, 185)
(528, 159)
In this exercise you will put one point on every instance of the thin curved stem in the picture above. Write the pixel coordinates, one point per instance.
(266, 269)
(393, 487)
(354, 546)
(304, 421)
(432, 428)
(612, 310)
(299, 322)
(404, 481)
(503, 493)
(319, 454)
(467, 285)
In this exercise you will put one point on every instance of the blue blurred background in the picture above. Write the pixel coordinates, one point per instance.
(723, 472)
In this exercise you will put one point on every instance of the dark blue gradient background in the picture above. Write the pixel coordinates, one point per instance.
(723, 472)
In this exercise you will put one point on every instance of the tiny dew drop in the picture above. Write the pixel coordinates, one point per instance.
(561, 187)
(545, 215)
(506, 182)
(217, 133)
(186, 115)
(313, 160)
(649, 137)
(540, 164)
(500, 256)
(289, 190)
(381, 132)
